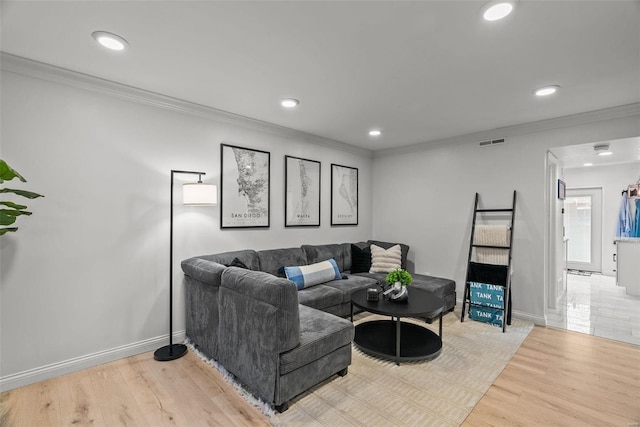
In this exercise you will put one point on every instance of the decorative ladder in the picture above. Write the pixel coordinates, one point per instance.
(493, 270)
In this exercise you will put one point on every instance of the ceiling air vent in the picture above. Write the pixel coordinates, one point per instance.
(491, 142)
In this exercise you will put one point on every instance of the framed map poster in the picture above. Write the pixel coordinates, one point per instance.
(344, 195)
(244, 187)
(302, 192)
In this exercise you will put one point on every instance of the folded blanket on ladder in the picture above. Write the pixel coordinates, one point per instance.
(494, 235)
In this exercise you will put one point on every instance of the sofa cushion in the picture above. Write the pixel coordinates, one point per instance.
(320, 297)
(247, 257)
(360, 259)
(386, 245)
(272, 260)
(317, 253)
(351, 284)
(436, 285)
(385, 260)
(380, 278)
(305, 276)
(320, 334)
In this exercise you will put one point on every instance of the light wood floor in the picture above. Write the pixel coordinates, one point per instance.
(137, 391)
(564, 378)
(557, 377)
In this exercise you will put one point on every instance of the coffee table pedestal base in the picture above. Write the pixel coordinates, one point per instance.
(397, 341)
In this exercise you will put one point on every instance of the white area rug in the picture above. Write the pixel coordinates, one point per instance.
(440, 392)
(375, 392)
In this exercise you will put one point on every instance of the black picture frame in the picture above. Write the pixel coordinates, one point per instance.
(562, 190)
(302, 184)
(344, 195)
(245, 187)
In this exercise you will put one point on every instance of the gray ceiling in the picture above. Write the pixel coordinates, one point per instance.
(420, 71)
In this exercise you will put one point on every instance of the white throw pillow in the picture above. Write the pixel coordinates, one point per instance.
(384, 261)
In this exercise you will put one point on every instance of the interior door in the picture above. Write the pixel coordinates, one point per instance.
(583, 228)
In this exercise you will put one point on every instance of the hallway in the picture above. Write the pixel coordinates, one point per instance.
(595, 305)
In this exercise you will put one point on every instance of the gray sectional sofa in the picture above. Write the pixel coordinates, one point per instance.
(279, 341)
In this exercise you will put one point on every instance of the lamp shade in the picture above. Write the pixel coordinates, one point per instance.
(197, 193)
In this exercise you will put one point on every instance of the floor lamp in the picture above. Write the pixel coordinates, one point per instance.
(193, 194)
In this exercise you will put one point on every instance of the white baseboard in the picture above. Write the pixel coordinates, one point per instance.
(31, 376)
(537, 320)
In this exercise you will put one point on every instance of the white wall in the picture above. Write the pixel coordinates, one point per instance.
(424, 197)
(612, 179)
(85, 279)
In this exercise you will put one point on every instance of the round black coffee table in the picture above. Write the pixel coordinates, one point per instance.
(396, 340)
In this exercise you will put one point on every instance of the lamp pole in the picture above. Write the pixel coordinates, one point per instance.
(173, 351)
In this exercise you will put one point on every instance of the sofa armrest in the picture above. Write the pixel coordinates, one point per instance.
(208, 272)
(261, 308)
(259, 319)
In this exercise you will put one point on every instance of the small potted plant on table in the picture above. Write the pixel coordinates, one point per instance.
(399, 280)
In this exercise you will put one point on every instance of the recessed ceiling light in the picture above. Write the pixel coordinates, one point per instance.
(375, 132)
(289, 102)
(497, 9)
(602, 150)
(110, 40)
(546, 90)
(588, 164)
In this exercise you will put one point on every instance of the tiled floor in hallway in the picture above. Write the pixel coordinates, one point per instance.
(595, 305)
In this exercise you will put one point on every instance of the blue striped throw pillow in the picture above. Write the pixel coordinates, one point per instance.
(313, 274)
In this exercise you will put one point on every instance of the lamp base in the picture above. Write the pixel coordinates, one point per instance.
(170, 352)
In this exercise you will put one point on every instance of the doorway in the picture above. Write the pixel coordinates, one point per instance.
(591, 302)
(583, 229)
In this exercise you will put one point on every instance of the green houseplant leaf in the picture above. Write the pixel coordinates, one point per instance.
(11, 210)
(6, 219)
(8, 230)
(23, 193)
(7, 173)
(13, 205)
(399, 275)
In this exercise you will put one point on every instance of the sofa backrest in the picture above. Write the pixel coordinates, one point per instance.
(248, 257)
(272, 261)
(318, 253)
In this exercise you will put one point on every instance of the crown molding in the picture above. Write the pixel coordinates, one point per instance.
(52, 73)
(621, 111)
(47, 72)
